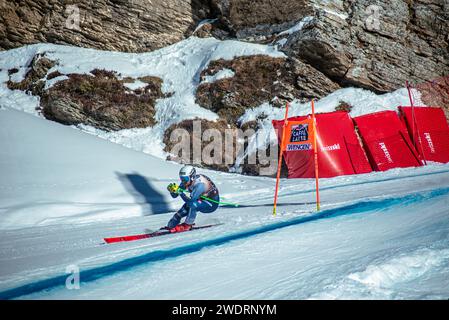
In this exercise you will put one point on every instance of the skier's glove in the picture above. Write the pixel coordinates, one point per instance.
(173, 188)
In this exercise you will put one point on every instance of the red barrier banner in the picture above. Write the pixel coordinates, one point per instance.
(339, 150)
(431, 134)
(386, 141)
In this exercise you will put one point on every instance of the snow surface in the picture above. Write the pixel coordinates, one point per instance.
(383, 235)
(50, 83)
(136, 85)
(222, 74)
(327, 5)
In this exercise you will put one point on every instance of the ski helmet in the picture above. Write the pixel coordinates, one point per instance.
(186, 173)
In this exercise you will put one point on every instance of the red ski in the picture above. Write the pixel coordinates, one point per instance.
(152, 235)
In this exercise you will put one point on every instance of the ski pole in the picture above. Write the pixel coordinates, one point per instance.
(214, 201)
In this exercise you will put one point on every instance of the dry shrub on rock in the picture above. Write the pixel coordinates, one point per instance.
(101, 100)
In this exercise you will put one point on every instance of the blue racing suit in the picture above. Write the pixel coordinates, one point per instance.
(201, 186)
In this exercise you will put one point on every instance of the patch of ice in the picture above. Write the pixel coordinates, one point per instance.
(342, 16)
(203, 22)
(331, 7)
(281, 42)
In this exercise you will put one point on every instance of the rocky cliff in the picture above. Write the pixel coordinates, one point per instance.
(371, 44)
(376, 45)
(120, 25)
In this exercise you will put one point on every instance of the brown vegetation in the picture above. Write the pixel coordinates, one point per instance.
(259, 79)
(101, 100)
(343, 106)
(252, 85)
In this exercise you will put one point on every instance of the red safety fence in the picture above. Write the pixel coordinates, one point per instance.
(386, 141)
(339, 150)
(429, 131)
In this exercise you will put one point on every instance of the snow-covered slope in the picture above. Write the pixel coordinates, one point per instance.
(380, 235)
(180, 66)
(51, 172)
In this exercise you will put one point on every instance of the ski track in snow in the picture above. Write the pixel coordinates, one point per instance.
(176, 252)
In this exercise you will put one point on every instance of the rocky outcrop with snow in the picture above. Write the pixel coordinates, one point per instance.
(377, 46)
(289, 51)
(374, 45)
(101, 100)
(259, 79)
(98, 99)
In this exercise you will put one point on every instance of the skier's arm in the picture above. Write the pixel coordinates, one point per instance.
(174, 195)
(197, 191)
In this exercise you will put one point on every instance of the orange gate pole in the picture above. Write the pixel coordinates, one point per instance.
(315, 152)
(278, 175)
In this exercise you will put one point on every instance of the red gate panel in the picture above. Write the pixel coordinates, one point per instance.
(339, 151)
(431, 132)
(386, 141)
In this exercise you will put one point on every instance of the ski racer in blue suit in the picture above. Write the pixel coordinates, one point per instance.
(199, 186)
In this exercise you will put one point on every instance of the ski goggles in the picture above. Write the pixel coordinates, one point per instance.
(185, 178)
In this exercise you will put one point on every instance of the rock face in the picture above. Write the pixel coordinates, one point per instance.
(256, 80)
(219, 158)
(258, 19)
(374, 45)
(121, 25)
(434, 93)
(207, 138)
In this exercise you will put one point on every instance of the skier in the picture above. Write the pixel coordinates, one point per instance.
(200, 187)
